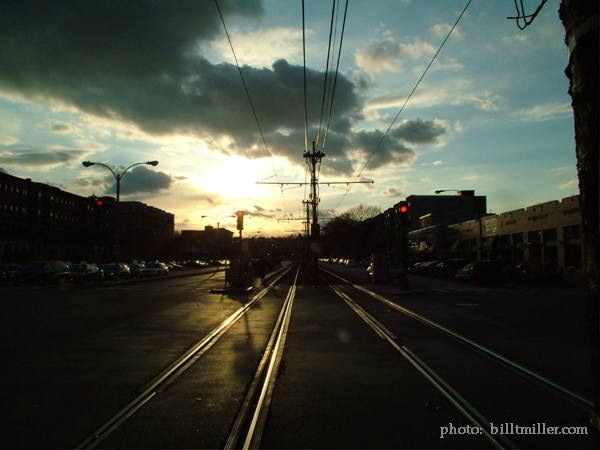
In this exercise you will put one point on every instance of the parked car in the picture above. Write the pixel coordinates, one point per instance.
(425, 268)
(116, 271)
(467, 273)
(448, 268)
(136, 268)
(154, 269)
(42, 272)
(8, 271)
(414, 267)
(485, 271)
(80, 273)
(173, 265)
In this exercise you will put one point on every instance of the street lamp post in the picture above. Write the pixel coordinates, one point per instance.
(479, 218)
(118, 176)
(217, 220)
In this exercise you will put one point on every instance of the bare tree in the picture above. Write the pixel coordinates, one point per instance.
(361, 212)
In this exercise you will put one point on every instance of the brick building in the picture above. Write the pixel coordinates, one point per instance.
(38, 221)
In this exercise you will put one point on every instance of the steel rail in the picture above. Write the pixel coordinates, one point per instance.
(552, 386)
(451, 394)
(260, 380)
(175, 369)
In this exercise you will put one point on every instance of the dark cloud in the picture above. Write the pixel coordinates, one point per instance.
(201, 199)
(2, 170)
(259, 211)
(36, 158)
(390, 150)
(61, 128)
(91, 182)
(143, 181)
(140, 62)
(391, 192)
(419, 131)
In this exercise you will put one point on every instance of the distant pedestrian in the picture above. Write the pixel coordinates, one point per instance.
(259, 268)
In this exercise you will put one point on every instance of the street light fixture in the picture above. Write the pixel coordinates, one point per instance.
(118, 176)
(479, 216)
(218, 220)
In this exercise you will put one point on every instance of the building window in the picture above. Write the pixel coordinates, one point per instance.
(573, 255)
(550, 235)
(571, 232)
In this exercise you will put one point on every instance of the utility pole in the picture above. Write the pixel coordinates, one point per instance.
(313, 158)
(313, 229)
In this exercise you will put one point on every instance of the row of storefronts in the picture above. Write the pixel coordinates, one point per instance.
(543, 235)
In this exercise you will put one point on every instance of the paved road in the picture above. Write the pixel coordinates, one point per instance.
(545, 328)
(74, 357)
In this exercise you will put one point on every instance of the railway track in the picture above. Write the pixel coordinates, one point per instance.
(255, 413)
(262, 383)
(350, 293)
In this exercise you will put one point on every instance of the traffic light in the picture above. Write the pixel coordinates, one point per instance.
(403, 211)
(98, 202)
(240, 220)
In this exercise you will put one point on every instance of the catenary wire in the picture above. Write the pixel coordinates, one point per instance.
(527, 19)
(326, 73)
(406, 101)
(335, 76)
(304, 76)
(252, 107)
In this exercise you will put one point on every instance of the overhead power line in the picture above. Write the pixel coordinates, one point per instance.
(326, 72)
(337, 67)
(524, 20)
(372, 154)
(304, 67)
(260, 131)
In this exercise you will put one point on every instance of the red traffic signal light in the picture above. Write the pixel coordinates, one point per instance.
(403, 209)
(240, 220)
(98, 202)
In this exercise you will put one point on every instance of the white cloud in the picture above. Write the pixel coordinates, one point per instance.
(455, 92)
(441, 29)
(8, 140)
(472, 177)
(387, 54)
(486, 101)
(572, 184)
(546, 111)
(515, 39)
(438, 163)
(261, 47)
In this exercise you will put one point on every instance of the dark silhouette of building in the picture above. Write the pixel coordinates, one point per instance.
(208, 243)
(38, 221)
(444, 209)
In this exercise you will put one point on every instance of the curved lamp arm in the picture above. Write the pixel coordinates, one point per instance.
(89, 163)
(150, 163)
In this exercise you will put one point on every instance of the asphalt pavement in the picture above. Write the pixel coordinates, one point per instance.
(76, 356)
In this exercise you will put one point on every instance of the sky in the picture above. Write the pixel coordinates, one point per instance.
(127, 82)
